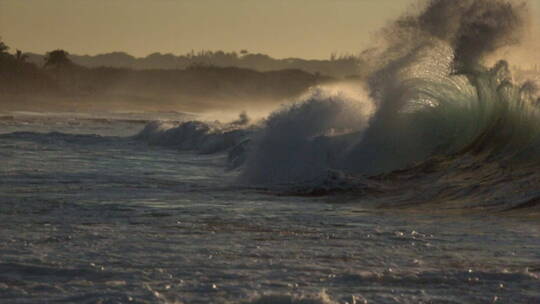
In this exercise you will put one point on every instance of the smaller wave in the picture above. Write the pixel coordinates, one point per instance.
(7, 118)
(320, 298)
(58, 137)
(198, 136)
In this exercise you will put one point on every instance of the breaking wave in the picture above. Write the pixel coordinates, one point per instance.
(304, 140)
(201, 137)
(431, 123)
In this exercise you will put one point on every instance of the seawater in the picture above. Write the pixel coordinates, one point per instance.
(89, 214)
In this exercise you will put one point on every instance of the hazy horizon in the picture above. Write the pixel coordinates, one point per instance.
(280, 29)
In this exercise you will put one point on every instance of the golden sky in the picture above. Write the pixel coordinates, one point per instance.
(281, 28)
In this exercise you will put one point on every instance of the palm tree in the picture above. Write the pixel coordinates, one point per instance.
(20, 56)
(3, 49)
(57, 59)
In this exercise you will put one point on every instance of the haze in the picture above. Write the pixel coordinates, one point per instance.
(280, 28)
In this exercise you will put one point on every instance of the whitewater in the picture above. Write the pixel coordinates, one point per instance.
(418, 184)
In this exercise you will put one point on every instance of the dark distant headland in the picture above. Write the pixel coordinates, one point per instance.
(193, 82)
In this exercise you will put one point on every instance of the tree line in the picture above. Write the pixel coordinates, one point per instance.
(336, 66)
(57, 76)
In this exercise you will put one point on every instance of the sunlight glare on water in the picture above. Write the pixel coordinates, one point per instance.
(116, 220)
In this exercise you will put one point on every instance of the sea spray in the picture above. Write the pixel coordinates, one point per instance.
(426, 90)
(307, 138)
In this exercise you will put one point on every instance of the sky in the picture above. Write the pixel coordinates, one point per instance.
(310, 29)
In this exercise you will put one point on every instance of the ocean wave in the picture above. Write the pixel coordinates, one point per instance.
(320, 298)
(430, 124)
(305, 139)
(198, 136)
(461, 141)
(59, 137)
(434, 126)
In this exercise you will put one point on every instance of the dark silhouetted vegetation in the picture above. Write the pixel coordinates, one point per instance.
(58, 77)
(57, 59)
(336, 66)
(3, 48)
(17, 75)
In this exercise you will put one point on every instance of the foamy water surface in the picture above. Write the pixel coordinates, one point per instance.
(108, 219)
